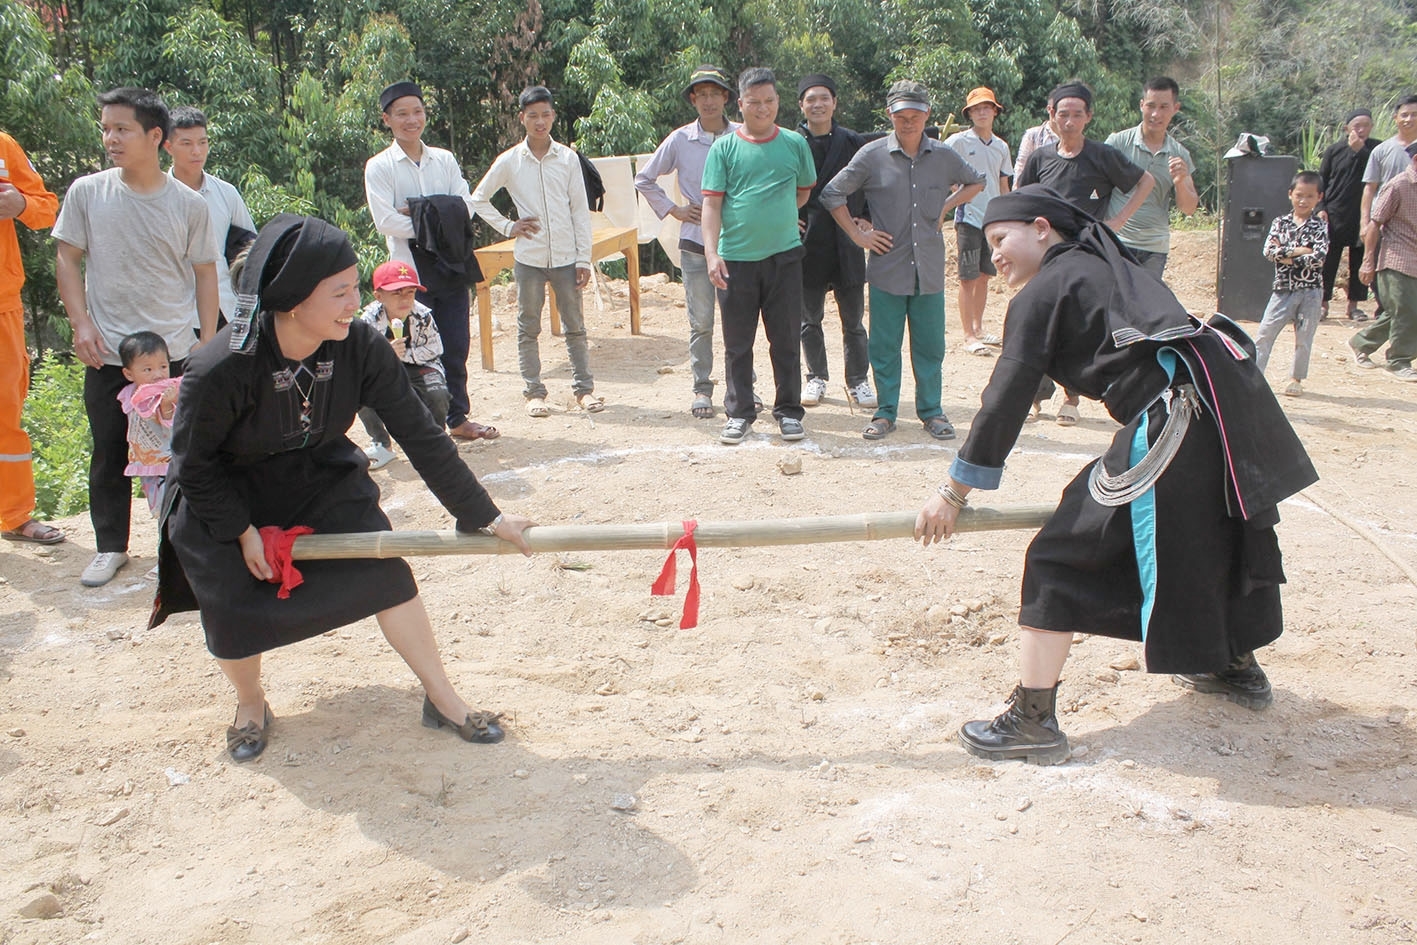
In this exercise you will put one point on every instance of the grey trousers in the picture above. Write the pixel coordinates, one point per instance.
(531, 299)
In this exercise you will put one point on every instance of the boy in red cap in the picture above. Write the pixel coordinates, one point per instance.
(409, 327)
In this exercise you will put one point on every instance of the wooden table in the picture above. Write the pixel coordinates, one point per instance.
(606, 241)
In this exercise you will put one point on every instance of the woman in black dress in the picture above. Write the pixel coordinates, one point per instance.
(259, 440)
(1178, 553)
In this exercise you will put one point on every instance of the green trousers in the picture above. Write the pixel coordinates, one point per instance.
(925, 314)
(1397, 325)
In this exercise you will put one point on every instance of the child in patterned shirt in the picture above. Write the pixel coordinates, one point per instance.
(408, 324)
(1297, 245)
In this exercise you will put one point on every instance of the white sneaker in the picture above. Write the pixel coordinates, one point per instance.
(102, 568)
(813, 392)
(862, 394)
(379, 455)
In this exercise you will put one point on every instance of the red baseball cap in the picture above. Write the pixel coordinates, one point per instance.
(396, 275)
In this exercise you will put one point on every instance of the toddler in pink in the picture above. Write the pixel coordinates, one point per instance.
(149, 401)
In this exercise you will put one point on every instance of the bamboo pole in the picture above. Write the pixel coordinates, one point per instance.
(865, 526)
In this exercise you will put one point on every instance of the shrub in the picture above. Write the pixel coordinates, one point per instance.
(58, 427)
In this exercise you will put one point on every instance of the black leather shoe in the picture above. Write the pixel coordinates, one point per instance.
(1243, 682)
(248, 741)
(1026, 731)
(479, 727)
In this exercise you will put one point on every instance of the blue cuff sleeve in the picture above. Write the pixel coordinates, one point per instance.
(976, 477)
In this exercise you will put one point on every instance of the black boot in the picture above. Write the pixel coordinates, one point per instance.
(1028, 730)
(1242, 682)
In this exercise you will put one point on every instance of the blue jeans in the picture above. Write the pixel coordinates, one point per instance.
(699, 301)
(1300, 307)
(531, 298)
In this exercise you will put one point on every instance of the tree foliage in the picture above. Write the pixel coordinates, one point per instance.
(290, 86)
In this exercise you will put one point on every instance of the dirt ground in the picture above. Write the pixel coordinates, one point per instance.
(790, 766)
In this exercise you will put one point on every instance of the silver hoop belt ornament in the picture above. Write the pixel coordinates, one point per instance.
(1182, 404)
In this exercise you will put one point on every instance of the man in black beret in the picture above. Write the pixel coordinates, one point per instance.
(832, 261)
(408, 168)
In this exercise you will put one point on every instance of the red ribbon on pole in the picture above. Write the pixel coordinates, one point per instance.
(664, 584)
(277, 542)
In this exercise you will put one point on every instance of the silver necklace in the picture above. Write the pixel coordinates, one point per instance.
(305, 394)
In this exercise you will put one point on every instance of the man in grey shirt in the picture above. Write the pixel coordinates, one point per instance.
(1150, 146)
(907, 178)
(135, 253)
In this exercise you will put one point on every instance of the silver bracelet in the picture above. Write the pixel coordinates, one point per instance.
(491, 527)
(951, 497)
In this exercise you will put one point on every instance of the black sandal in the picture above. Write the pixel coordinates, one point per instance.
(940, 427)
(878, 428)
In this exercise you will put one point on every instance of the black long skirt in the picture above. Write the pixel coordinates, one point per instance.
(1172, 569)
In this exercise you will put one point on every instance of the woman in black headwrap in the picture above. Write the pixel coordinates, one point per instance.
(259, 440)
(1169, 538)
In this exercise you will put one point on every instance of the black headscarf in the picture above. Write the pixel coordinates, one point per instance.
(1071, 90)
(1140, 307)
(290, 257)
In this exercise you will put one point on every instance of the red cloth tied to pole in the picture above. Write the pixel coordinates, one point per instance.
(664, 584)
(278, 542)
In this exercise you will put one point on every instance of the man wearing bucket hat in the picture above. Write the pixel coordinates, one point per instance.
(988, 154)
(683, 153)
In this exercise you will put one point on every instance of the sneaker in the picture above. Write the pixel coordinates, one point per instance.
(1360, 359)
(379, 455)
(102, 568)
(813, 391)
(734, 431)
(1295, 389)
(862, 394)
(791, 429)
(1402, 374)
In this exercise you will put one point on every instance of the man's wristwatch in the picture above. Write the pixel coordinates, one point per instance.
(491, 527)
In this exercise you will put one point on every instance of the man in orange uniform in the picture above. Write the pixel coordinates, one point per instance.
(23, 197)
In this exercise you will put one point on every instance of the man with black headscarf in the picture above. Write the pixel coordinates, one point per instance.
(1169, 538)
(1084, 173)
(409, 169)
(832, 262)
(1341, 173)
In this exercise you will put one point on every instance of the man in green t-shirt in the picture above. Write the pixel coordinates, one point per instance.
(754, 181)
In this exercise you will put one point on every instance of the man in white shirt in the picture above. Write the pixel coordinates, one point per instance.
(188, 145)
(410, 168)
(552, 230)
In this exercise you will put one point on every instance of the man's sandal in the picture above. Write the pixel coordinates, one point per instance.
(36, 532)
(702, 407)
(878, 428)
(590, 403)
(939, 427)
(536, 407)
(472, 430)
(1067, 415)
